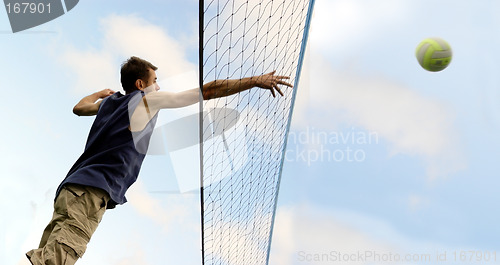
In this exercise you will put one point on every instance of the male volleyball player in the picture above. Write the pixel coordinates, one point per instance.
(115, 149)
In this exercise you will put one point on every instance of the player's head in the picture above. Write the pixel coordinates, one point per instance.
(137, 74)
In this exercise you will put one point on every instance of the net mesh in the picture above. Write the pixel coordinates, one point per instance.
(244, 134)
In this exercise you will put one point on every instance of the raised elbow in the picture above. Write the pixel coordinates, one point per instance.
(85, 109)
(77, 110)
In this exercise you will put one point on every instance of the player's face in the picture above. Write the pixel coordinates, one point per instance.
(151, 84)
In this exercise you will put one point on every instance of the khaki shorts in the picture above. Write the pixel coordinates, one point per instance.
(78, 210)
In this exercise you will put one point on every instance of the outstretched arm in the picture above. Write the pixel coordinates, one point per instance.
(215, 89)
(224, 88)
(89, 105)
(155, 101)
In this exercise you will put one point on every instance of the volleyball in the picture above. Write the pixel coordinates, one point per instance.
(434, 54)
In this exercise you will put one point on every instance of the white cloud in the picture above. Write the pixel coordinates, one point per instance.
(95, 70)
(136, 254)
(309, 235)
(146, 205)
(148, 229)
(122, 37)
(23, 261)
(342, 24)
(410, 123)
(27, 197)
(236, 239)
(131, 35)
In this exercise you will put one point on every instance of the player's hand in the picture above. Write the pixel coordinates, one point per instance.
(271, 82)
(105, 93)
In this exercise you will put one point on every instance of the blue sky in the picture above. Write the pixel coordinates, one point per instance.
(427, 181)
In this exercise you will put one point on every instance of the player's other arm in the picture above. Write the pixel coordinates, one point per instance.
(89, 105)
(215, 89)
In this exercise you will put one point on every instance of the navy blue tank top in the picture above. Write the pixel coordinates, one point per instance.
(113, 154)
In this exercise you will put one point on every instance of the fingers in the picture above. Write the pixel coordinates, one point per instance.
(278, 81)
(282, 77)
(272, 82)
(284, 83)
(106, 93)
(274, 86)
(279, 90)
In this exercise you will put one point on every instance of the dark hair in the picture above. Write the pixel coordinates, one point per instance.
(134, 68)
